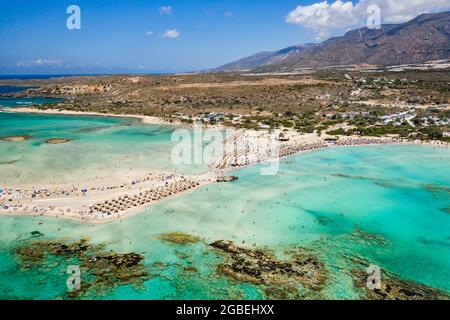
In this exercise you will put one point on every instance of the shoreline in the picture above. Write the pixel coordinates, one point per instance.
(105, 204)
(206, 179)
(152, 120)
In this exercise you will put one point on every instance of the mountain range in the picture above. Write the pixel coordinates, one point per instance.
(424, 38)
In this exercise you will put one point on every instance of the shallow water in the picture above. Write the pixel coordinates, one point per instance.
(100, 147)
(8, 102)
(325, 201)
(12, 89)
(25, 102)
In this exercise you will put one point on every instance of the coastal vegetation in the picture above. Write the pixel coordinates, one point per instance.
(408, 104)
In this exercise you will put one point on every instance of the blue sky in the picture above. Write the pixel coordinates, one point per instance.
(128, 36)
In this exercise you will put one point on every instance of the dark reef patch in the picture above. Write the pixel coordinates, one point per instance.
(8, 162)
(36, 234)
(392, 286)
(361, 236)
(178, 238)
(279, 279)
(101, 270)
(395, 288)
(290, 272)
(437, 190)
(92, 129)
(379, 182)
(57, 140)
(433, 242)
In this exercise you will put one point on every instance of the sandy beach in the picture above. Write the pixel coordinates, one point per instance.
(124, 194)
(144, 119)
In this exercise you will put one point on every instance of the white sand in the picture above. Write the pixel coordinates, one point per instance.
(68, 201)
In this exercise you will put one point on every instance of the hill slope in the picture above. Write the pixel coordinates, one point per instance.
(422, 39)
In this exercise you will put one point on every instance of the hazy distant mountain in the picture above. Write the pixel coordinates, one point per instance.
(422, 39)
(263, 59)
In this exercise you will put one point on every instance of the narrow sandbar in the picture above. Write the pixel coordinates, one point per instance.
(16, 138)
(57, 140)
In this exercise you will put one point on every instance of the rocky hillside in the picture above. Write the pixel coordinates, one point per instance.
(422, 39)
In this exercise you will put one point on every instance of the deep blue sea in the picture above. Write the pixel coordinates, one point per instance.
(42, 76)
(11, 102)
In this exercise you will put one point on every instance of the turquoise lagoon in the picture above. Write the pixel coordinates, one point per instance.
(324, 201)
(318, 200)
(100, 147)
(12, 102)
(25, 102)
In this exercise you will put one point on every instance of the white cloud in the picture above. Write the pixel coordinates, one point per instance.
(228, 14)
(172, 34)
(148, 33)
(323, 17)
(40, 63)
(165, 10)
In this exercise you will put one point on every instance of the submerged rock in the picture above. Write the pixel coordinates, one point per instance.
(394, 288)
(379, 182)
(437, 190)
(36, 234)
(8, 162)
(178, 238)
(159, 265)
(227, 178)
(445, 210)
(57, 140)
(360, 236)
(262, 268)
(100, 271)
(16, 138)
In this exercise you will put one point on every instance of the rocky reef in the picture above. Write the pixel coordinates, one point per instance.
(178, 238)
(446, 210)
(16, 138)
(290, 272)
(8, 162)
(227, 179)
(379, 182)
(101, 270)
(437, 190)
(392, 286)
(36, 234)
(57, 140)
(372, 239)
(280, 279)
